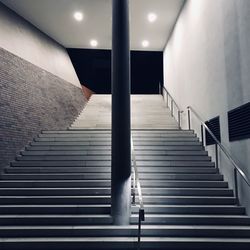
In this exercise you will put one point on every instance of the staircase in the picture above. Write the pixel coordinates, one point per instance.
(56, 194)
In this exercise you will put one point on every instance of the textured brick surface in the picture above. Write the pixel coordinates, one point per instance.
(31, 99)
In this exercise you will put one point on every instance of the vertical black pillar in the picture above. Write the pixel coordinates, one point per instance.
(121, 152)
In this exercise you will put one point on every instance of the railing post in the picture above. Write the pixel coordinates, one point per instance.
(189, 122)
(167, 99)
(141, 218)
(160, 89)
(236, 191)
(133, 189)
(179, 119)
(216, 156)
(172, 108)
(202, 135)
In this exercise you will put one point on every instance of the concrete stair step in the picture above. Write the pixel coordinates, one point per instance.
(163, 199)
(169, 147)
(54, 191)
(136, 140)
(62, 200)
(172, 158)
(67, 148)
(188, 219)
(171, 153)
(36, 147)
(108, 152)
(115, 243)
(126, 231)
(107, 176)
(108, 163)
(55, 219)
(108, 158)
(105, 209)
(188, 200)
(176, 163)
(187, 191)
(86, 131)
(107, 191)
(108, 131)
(55, 209)
(65, 158)
(55, 183)
(92, 136)
(184, 184)
(163, 219)
(57, 176)
(192, 209)
(208, 170)
(106, 183)
(108, 143)
(180, 176)
(66, 152)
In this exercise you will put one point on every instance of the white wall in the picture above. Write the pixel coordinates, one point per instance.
(207, 66)
(24, 40)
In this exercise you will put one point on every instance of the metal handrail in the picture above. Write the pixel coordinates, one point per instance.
(224, 150)
(136, 183)
(237, 169)
(161, 88)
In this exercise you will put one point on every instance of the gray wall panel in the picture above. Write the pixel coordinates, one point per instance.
(206, 65)
(22, 39)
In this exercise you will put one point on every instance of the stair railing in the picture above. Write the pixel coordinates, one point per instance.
(237, 169)
(173, 103)
(136, 184)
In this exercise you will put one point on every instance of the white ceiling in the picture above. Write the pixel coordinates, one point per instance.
(55, 18)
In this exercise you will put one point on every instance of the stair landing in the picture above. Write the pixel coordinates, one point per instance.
(147, 112)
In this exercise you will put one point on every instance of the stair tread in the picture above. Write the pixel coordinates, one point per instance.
(151, 215)
(132, 216)
(108, 188)
(124, 239)
(56, 216)
(108, 196)
(102, 240)
(88, 152)
(132, 227)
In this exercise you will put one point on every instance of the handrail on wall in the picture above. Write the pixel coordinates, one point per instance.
(237, 169)
(137, 184)
(172, 103)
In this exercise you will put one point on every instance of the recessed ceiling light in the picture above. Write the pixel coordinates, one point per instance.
(78, 16)
(152, 17)
(93, 43)
(145, 43)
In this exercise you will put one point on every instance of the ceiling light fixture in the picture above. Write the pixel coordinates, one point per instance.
(145, 43)
(78, 16)
(93, 43)
(152, 17)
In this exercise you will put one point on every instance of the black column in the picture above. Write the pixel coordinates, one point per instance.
(121, 152)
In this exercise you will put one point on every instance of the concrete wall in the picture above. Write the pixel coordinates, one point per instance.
(24, 40)
(206, 65)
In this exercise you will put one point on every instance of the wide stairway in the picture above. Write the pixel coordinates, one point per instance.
(56, 194)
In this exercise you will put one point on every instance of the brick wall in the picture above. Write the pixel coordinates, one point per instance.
(31, 100)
